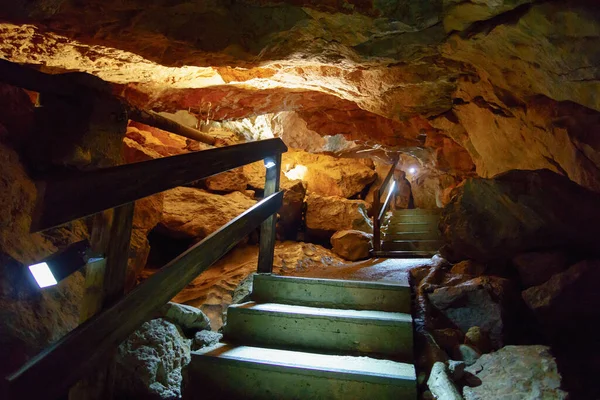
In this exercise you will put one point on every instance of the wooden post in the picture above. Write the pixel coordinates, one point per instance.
(105, 285)
(117, 254)
(268, 227)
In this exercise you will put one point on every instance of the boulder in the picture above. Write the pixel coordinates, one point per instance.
(352, 245)
(290, 213)
(148, 212)
(196, 213)
(150, 361)
(537, 267)
(516, 372)
(477, 302)
(187, 317)
(333, 214)
(440, 384)
(468, 267)
(322, 174)
(139, 250)
(448, 338)
(520, 211)
(479, 339)
(568, 300)
(327, 175)
(143, 143)
(228, 181)
(206, 338)
(467, 353)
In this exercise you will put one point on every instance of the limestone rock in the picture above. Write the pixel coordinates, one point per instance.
(335, 213)
(458, 15)
(243, 290)
(571, 295)
(150, 361)
(139, 250)
(468, 267)
(476, 302)
(322, 174)
(520, 211)
(537, 267)
(328, 176)
(228, 181)
(519, 372)
(206, 338)
(195, 213)
(187, 317)
(440, 383)
(479, 339)
(467, 353)
(290, 213)
(448, 338)
(148, 211)
(427, 189)
(352, 245)
(456, 369)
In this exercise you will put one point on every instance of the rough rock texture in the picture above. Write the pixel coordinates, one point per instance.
(467, 353)
(144, 143)
(440, 383)
(326, 175)
(228, 181)
(206, 338)
(335, 213)
(214, 290)
(520, 211)
(187, 317)
(479, 339)
(150, 361)
(476, 302)
(569, 295)
(290, 213)
(536, 268)
(196, 213)
(516, 372)
(351, 245)
(468, 267)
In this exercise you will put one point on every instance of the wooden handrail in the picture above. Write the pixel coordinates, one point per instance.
(52, 372)
(379, 209)
(83, 193)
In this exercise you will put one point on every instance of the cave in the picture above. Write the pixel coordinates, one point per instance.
(300, 199)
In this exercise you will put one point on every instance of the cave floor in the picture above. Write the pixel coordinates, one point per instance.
(375, 269)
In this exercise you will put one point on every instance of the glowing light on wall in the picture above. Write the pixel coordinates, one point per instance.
(412, 170)
(298, 172)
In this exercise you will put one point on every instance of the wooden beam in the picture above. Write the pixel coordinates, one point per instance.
(268, 227)
(52, 372)
(154, 119)
(80, 194)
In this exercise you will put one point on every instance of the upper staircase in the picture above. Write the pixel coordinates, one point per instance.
(410, 233)
(306, 338)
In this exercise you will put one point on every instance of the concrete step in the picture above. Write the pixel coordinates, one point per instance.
(321, 329)
(331, 293)
(430, 218)
(412, 245)
(424, 235)
(243, 372)
(404, 254)
(409, 227)
(418, 211)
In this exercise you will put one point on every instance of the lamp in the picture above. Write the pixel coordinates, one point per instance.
(58, 266)
(269, 162)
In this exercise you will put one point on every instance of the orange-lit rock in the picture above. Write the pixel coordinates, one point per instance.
(195, 213)
(330, 214)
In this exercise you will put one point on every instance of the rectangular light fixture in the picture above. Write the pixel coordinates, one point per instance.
(269, 163)
(58, 266)
(42, 274)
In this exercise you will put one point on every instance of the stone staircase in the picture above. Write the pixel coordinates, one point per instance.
(308, 338)
(410, 233)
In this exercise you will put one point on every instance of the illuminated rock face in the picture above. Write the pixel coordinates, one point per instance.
(511, 91)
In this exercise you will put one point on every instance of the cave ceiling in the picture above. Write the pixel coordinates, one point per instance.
(388, 71)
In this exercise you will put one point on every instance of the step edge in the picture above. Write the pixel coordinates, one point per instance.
(334, 282)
